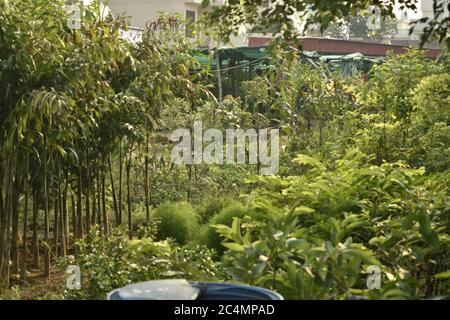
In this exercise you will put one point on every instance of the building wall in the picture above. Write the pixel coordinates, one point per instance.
(337, 46)
(143, 11)
(405, 17)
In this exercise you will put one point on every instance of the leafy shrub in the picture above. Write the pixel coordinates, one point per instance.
(188, 262)
(432, 99)
(172, 184)
(429, 145)
(209, 236)
(177, 220)
(371, 189)
(168, 185)
(212, 206)
(104, 263)
(314, 237)
(108, 263)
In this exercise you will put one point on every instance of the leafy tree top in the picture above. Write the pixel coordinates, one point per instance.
(280, 16)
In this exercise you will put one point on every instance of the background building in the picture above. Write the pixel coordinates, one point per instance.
(405, 17)
(143, 11)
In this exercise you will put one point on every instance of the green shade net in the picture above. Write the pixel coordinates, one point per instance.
(245, 63)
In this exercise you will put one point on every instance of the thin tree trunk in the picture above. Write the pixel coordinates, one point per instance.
(105, 216)
(2, 216)
(15, 222)
(57, 216)
(128, 172)
(120, 181)
(94, 203)
(146, 182)
(99, 200)
(46, 217)
(189, 193)
(80, 233)
(23, 266)
(74, 216)
(87, 193)
(35, 237)
(6, 231)
(113, 190)
(219, 75)
(64, 219)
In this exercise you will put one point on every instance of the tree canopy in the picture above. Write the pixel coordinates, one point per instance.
(281, 16)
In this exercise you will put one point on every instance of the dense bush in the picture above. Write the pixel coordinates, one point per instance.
(209, 236)
(107, 263)
(398, 106)
(363, 181)
(212, 206)
(177, 220)
(313, 236)
(430, 126)
(364, 167)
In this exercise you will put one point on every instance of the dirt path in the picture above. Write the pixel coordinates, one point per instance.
(37, 286)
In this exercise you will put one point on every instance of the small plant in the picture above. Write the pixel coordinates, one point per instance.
(108, 263)
(212, 206)
(12, 293)
(209, 236)
(177, 220)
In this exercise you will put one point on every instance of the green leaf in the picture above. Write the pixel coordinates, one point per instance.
(363, 255)
(303, 210)
(442, 275)
(425, 229)
(236, 230)
(278, 235)
(233, 246)
(300, 244)
(308, 161)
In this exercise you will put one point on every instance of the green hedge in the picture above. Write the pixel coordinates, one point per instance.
(209, 237)
(177, 220)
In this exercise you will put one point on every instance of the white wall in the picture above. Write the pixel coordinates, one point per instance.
(143, 11)
(424, 9)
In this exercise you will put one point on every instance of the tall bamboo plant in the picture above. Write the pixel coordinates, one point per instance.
(71, 101)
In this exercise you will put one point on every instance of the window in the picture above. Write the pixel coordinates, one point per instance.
(190, 21)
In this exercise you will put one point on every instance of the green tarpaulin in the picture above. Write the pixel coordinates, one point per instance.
(244, 63)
